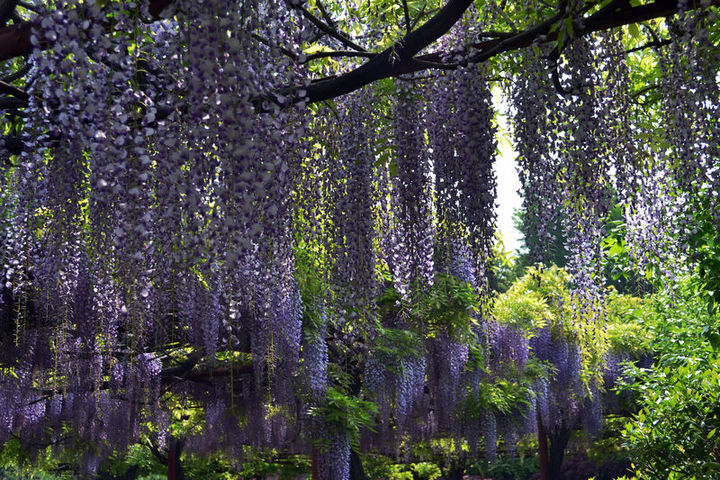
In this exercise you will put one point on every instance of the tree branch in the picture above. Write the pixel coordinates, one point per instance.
(11, 102)
(344, 39)
(287, 52)
(13, 90)
(400, 58)
(388, 63)
(338, 53)
(183, 367)
(208, 373)
(652, 44)
(395, 60)
(153, 447)
(15, 39)
(496, 34)
(326, 14)
(406, 11)
(420, 15)
(644, 90)
(186, 370)
(14, 145)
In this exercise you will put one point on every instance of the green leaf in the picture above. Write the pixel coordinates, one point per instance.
(569, 27)
(634, 30)
(392, 165)
(714, 339)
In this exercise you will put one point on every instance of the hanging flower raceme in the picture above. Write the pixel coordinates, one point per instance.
(678, 194)
(585, 182)
(475, 177)
(560, 399)
(533, 99)
(414, 236)
(691, 96)
(68, 251)
(334, 456)
(621, 145)
(462, 139)
(354, 269)
(173, 206)
(462, 143)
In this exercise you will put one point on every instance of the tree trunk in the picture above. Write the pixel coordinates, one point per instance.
(174, 465)
(314, 460)
(456, 468)
(543, 447)
(456, 472)
(558, 441)
(356, 467)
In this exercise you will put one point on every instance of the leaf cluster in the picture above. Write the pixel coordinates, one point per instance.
(674, 434)
(346, 413)
(538, 298)
(447, 308)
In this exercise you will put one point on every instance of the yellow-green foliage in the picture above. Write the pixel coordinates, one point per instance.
(426, 471)
(541, 298)
(625, 329)
(447, 308)
(527, 311)
(535, 300)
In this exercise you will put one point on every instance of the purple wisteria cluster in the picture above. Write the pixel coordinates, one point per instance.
(414, 236)
(585, 181)
(353, 194)
(681, 175)
(174, 234)
(189, 214)
(396, 384)
(684, 175)
(558, 401)
(334, 456)
(462, 141)
(473, 175)
(533, 100)
(151, 208)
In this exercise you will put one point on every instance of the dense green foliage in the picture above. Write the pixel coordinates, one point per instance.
(673, 436)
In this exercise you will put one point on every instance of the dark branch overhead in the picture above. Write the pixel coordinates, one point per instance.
(326, 28)
(338, 53)
(391, 61)
(617, 14)
(15, 40)
(12, 102)
(401, 58)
